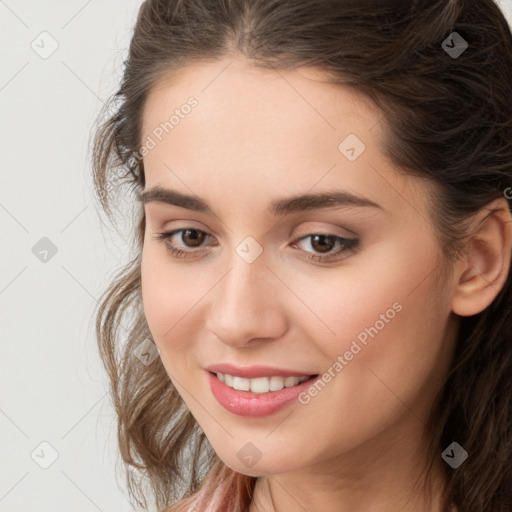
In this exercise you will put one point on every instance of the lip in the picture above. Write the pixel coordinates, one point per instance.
(253, 372)
(246, 403)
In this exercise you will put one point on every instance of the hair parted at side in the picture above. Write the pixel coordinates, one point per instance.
(446, 119)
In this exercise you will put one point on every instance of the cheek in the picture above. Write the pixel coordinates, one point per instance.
(176, 300)
(171, 298)
(392, 286)
(153, 292)
(168, 294)
(389, 330)
(385, 316)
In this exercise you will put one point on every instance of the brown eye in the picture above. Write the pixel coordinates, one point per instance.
(188, 242)
(323, 243)
(193, 237)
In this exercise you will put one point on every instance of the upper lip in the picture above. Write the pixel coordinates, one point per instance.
(252, 372)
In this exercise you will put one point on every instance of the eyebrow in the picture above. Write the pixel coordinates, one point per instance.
(281, 206)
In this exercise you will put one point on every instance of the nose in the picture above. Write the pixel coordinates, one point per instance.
(246, 305)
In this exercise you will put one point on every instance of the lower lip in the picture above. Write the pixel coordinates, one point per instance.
(245, 403)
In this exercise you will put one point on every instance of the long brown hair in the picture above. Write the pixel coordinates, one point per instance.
(447, 118)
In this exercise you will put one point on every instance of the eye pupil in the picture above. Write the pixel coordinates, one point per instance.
(196, 240)
(322, 239)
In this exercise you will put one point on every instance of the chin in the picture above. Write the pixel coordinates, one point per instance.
(261, 468)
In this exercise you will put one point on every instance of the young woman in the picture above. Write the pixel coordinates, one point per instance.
(318, 313)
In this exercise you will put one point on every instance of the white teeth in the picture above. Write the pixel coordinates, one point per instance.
(260, 384)
(276, 383)
(241, 383)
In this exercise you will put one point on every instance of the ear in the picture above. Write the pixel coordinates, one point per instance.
(483, 270)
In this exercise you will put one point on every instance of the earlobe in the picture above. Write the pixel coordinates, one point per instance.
(482, 272)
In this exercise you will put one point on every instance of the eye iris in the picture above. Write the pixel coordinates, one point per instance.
(322, 238)
(197, 239)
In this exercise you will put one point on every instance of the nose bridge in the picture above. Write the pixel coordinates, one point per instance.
(245, 305)
(248, 262)
(244, 290)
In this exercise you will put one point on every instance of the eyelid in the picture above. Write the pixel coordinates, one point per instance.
(317, 230)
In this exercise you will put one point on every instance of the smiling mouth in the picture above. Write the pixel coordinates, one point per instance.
(261, 384)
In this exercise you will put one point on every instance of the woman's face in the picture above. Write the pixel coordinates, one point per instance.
(250, 287)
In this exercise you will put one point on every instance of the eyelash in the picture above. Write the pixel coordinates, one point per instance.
(349, 245)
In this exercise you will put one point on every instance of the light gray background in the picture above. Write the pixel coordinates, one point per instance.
(53, 387)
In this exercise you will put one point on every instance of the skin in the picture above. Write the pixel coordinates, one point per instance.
(257, 135)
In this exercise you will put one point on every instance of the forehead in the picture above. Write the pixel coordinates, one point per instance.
(231, 89)
(262, 130)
